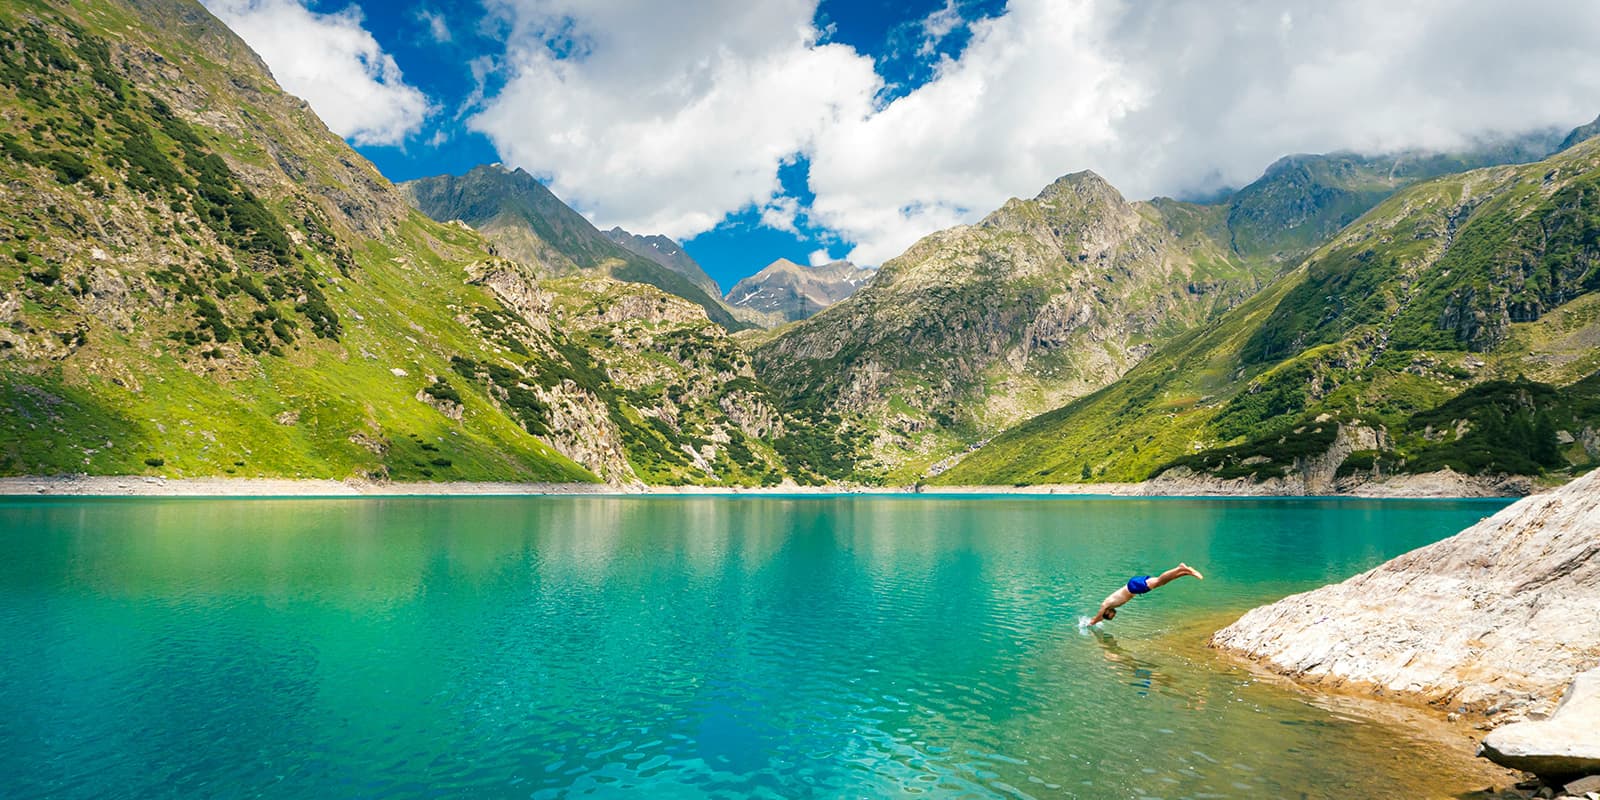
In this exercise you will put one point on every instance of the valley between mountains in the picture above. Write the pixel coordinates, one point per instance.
(200, 280)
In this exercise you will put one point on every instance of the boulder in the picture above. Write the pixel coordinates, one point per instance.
(1565, 745)
(1583, 786)
(1497, 619)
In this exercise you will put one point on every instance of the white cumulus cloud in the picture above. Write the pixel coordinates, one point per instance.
(1031, 97)
(1166, 97)
(667, 117)
(332, 62)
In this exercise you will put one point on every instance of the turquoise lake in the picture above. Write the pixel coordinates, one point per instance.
(662, 647)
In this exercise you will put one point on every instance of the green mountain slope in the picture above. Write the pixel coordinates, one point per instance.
(1301, 201)
(530, 224)
(978, 327)
(1457, 324)
(200, 279)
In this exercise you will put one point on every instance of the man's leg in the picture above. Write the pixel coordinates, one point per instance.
(1173, 574)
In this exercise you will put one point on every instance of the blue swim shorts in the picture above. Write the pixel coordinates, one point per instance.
(1139, 584)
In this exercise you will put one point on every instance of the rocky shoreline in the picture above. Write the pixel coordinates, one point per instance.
(1183, 483)
(1491, 627)
(1445, 484)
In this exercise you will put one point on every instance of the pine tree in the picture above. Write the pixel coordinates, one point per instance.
(1544, 448)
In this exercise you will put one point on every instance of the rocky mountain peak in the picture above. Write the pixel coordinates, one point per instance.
(1081, 212)
(783, 264)
(1581, 134)
(1085, 185)
(784, 291)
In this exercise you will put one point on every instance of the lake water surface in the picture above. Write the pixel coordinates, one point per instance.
(675, 647)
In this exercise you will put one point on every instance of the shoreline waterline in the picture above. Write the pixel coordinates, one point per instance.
(153, 486)
(1429, 728)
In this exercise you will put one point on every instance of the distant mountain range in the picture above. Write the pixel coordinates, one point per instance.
(1303, 200)
(529, 223)
(668, 253)
(200, 279)
(784, 291)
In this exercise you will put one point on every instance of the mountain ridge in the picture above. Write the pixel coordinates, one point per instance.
(976, 326)
(1452, 326)
(1301, 200)
(667, 252)
(526, 221)
(202, 279)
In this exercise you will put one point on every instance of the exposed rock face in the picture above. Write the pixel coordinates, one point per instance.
(753, 414)
(581, 429)
(1497, 618)
(1581, 134)
(784, 291)
(651, 308)
(1568, 743)
(1310, 475)
(1184, 482)
(665, 363)
(1319, 475)
(449, 408)
(516, 287)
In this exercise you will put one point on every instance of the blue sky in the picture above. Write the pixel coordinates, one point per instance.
(821, 130)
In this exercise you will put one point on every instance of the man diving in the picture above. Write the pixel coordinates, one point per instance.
(1139, 584)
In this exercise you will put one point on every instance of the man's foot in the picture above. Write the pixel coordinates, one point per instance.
(1188, 570)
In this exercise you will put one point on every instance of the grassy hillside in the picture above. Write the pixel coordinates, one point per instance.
(200, 279)
(1459, 319)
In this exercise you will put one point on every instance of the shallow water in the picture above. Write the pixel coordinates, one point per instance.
(672, 647)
